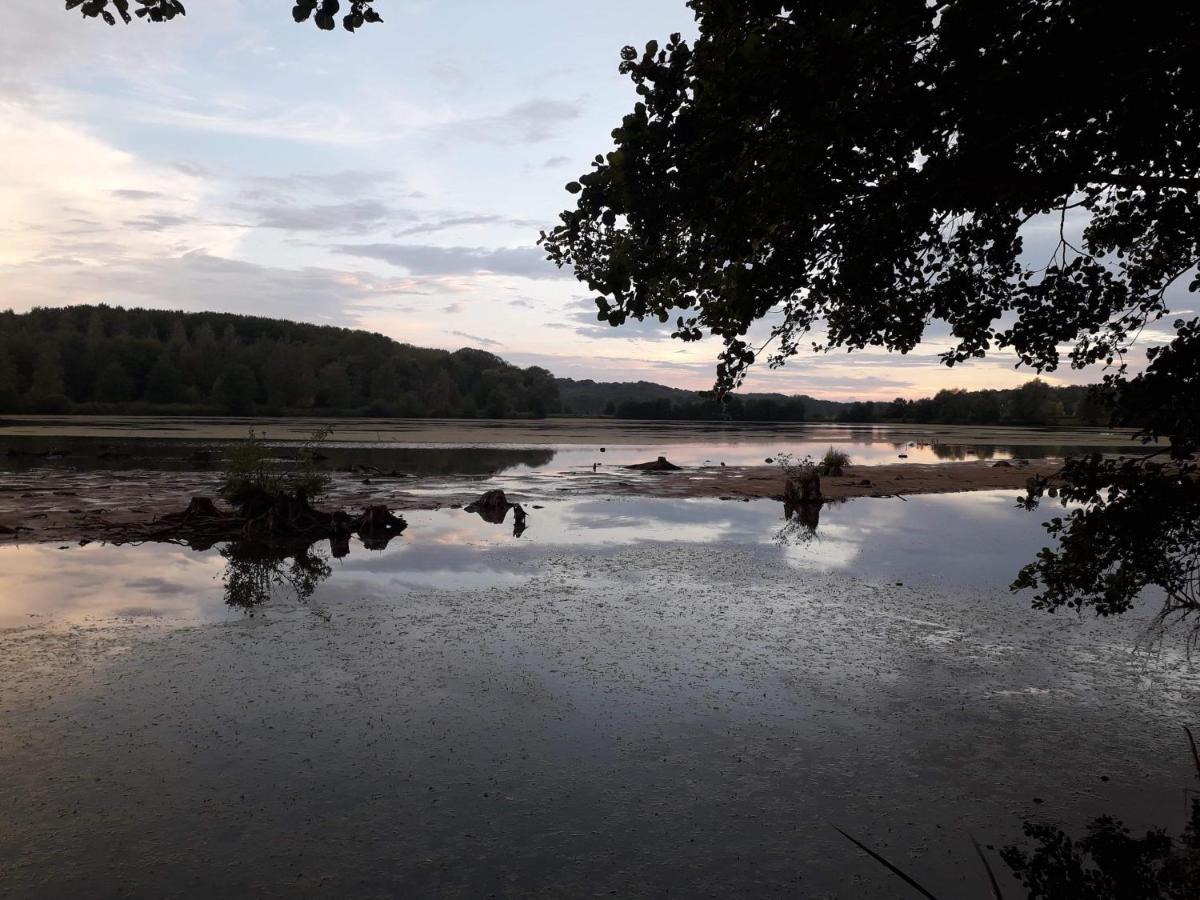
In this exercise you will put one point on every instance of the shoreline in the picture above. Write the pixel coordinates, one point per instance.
(537, 432)
(54, 505)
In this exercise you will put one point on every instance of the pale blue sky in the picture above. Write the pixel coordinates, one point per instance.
(395, 179)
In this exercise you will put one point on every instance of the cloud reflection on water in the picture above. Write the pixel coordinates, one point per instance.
(974, 539)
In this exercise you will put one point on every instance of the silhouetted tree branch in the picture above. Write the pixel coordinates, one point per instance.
(863, 169)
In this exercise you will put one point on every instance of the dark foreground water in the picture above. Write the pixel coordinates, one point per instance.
(635, 697)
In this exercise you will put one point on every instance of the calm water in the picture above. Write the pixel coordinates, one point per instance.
(968, 540)
(556, 445)
(635, 697)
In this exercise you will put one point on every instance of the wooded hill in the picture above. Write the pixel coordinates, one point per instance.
(101, 359)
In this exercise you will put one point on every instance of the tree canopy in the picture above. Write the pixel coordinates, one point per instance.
(322, 12)
(867, 167)
(873, 172)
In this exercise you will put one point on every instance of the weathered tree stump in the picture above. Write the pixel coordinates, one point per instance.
(803, 489)
(662, 464)
(493, 507)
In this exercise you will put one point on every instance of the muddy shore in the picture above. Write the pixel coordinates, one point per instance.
(47, 505)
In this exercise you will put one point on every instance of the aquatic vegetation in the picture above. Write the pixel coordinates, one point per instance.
(834, 461)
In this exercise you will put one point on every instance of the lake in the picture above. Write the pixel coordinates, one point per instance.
(635, 696)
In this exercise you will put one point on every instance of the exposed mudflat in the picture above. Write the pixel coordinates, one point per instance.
(80, 504)
(639, 721)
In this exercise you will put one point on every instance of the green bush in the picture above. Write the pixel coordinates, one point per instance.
(834, 462)
(253, 473)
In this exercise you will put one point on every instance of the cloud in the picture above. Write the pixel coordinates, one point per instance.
(63, 189)
(486, 342)
(202, 281)
(356, 217)
(556, 161)
(348, 182)
(129, 194)
(423, 259)
(528, 123)
(193, 170)
(460, 221)
(158, 222)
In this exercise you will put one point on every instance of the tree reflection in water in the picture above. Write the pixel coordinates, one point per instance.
(255, 569)
(801, 521)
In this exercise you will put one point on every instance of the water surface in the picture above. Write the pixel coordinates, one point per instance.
(635, 696)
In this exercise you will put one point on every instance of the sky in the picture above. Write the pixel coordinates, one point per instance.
(395, 180)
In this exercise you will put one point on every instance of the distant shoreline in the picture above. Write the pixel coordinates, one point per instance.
(558, 430)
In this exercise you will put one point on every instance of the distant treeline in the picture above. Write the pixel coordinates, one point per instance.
(708, 408)
(101, 359)
(1034, 403)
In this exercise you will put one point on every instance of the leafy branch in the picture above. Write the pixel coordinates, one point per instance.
(322, 12)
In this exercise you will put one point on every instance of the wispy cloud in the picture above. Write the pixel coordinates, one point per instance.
(476, 339)
(435, 225)
(424, 259)
(130, 194)
(530, 122)
(357, 217)
(199, 280)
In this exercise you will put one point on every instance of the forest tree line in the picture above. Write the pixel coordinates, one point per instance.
(102, 359)
(1034, 403)
(111, 360)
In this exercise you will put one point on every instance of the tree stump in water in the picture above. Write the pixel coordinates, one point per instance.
(662, 464)
(492, 506)
(519, 517)
(376, 526)
(803, 489)
(201, 508)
